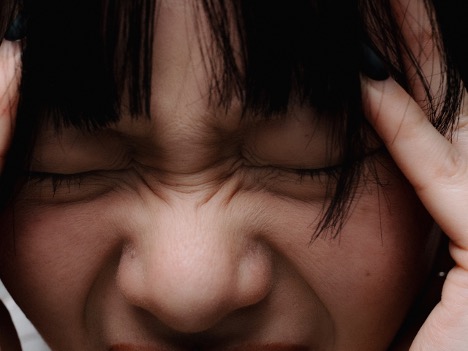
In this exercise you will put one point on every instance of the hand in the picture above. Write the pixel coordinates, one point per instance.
(438, 171)
(9, 80)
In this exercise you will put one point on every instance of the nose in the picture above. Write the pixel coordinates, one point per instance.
(193, 266)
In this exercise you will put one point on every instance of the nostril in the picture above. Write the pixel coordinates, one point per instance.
(191, 289)
(255, 276)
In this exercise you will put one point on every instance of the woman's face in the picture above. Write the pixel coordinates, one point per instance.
(192, 231)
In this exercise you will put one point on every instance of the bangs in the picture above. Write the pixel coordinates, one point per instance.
(87, 63)
(83, 56)
(264, 51)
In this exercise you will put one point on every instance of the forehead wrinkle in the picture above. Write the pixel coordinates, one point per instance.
(214, 129)
(196, 129)
(179, 144)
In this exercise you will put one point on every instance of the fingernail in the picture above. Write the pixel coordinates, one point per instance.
(18, 28)
(372, 65)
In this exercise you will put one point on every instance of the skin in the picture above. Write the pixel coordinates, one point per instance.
(189, 236)
(440, 183)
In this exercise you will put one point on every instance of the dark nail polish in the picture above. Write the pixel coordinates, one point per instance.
(18, 27)
(372, 65)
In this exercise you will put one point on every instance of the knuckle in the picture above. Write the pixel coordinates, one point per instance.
(453, 167)
(450, 170)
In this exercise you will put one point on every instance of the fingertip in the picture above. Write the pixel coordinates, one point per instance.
(10, 73)
(372, 92)
(372, 63)
(10, 66)
(378, 95)
(390, 109)
(381, 86)
(10, 50)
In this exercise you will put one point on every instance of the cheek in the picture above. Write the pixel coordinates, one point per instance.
(54, 256)
(366, 278)
(377, 264)
(389, 247)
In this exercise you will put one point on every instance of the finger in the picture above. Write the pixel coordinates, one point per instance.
(437, 170)
(9, 80)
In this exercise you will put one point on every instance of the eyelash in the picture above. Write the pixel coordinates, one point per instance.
(56, 179)
(331, 172)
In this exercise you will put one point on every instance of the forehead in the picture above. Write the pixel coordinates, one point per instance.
(182, 104)
(189, 142)
(185, 46)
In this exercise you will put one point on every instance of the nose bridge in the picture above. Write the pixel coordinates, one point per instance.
(194, 264)
(200, 256)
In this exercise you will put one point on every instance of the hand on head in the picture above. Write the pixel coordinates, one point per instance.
(438, 171)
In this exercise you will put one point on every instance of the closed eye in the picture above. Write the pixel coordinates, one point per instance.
(58, 180)
(328, 172)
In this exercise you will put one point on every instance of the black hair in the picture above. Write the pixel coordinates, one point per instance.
(450, 16)
(7, 13)
(82, 57)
